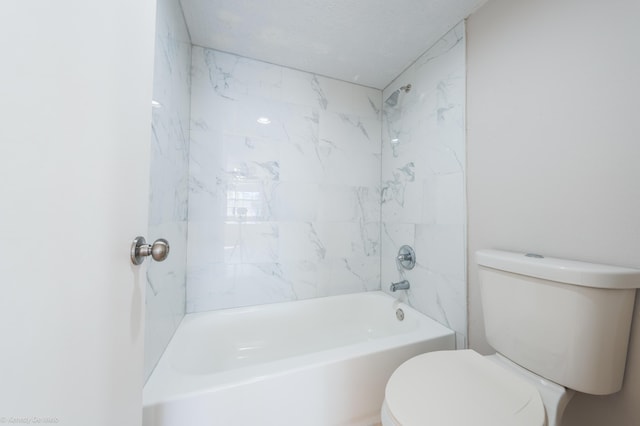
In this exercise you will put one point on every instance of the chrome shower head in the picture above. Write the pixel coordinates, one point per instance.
(392, 100)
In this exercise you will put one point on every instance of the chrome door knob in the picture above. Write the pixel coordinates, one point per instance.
(159, 250)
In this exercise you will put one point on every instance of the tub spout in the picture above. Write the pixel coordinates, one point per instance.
(402, 285)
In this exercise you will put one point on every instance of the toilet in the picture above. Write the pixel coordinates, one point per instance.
(558, 326)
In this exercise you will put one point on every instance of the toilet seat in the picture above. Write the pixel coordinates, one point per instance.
(460, 388)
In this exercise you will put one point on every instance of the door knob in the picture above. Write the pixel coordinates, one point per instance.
(159, 250)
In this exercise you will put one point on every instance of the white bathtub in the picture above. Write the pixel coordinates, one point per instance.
(313, 362)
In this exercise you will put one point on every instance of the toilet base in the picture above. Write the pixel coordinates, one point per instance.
(386, 419)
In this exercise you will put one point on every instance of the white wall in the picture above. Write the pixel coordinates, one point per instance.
(553, 150)
(75, 86)
(166, 281)
(423, 152)
(287, 210)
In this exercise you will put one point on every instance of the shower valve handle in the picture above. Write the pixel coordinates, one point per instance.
(406, 257)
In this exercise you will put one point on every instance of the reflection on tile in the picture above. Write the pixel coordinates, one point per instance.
(423, 190)
(284, 179)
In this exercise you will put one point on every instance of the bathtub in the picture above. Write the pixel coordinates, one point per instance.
(314, 362)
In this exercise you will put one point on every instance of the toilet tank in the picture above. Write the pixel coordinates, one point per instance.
(564, 320)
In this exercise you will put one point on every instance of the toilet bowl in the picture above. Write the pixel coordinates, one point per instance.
(456, 388)
(558, 326)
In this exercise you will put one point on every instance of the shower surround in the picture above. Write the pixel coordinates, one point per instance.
(302, 186)
(423, 182)
(284, 198)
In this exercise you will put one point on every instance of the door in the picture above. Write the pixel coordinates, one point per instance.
(75, 91)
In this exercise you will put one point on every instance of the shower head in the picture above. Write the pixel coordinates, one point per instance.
(392, 100)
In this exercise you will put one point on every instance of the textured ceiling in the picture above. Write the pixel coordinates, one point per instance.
(368, 42)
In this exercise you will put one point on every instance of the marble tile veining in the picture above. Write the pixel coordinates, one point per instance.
(284, 184)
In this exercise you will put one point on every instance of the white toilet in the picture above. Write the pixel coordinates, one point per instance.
(559, 326)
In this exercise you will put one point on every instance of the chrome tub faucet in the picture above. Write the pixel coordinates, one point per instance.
(402, 285)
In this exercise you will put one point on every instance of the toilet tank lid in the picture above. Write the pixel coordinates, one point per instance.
(561, 270)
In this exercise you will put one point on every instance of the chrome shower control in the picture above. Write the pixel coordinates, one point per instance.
(406, 257)
(159, 250)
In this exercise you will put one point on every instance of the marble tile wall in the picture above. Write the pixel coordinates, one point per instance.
(166, 281)
(423, 182)
(288, 208)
